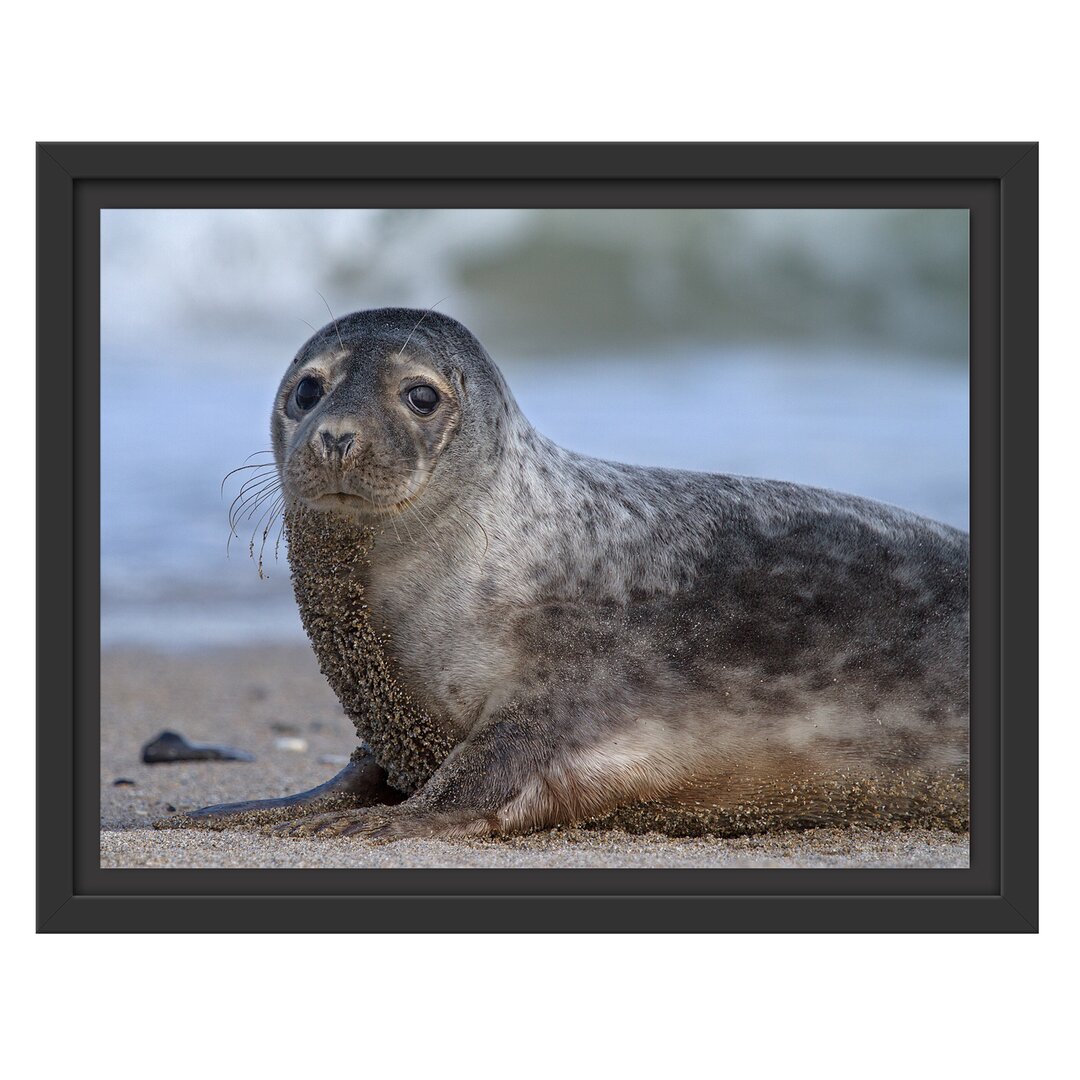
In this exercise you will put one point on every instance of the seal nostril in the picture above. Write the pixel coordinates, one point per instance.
(338, 445)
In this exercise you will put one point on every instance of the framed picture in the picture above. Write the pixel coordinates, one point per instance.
(650, 613)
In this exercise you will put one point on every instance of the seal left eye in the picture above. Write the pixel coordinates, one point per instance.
(308, 392)
(423, 399)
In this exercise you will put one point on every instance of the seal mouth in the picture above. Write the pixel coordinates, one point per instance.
(344, 500)
(351, 501)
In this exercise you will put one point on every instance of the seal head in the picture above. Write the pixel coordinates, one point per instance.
(365, 412)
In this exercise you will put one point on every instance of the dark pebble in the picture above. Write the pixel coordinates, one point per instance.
(169, 808)
(123, 781)
(280, 728)
(171, 746)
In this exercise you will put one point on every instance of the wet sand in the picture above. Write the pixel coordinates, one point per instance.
(274, 703)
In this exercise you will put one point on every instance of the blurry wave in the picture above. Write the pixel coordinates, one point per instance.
(538, 282)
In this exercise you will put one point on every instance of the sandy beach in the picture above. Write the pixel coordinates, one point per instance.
(272, 702)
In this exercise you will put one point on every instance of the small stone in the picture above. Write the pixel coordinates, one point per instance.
(123, 781)
(171, 746)
(279, 727)
(289, 742)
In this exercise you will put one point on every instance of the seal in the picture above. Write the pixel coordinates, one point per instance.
(525, 637)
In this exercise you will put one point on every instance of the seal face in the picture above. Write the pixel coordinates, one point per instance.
(527, 637)
(358, 430)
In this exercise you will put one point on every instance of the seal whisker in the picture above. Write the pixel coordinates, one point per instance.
(240, 468)
(408, 531)
(263, 498)
(455, 511)
(236, 514)
(259, 479)
(269, 515)
(454, 504)
(423, 524)
(429, 472)
(333, 320)
(255, 500)
(260, 482)
(233, 535)
(244, 499)
(280, 533)
(479, 525)
(393, 523)
(419, 321)
(275, 509)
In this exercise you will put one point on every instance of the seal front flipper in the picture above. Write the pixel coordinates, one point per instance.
(514, 776)
(361, 783)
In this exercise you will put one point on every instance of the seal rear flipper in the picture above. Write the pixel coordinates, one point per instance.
(361, 783)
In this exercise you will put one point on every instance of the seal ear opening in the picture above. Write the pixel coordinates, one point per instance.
(458, 379)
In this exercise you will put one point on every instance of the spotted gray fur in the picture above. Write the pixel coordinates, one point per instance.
(580, 640)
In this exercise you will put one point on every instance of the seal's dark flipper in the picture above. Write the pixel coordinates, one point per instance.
(361, 783)
(503, 779)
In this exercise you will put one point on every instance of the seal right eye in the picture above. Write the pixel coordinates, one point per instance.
(309, 391)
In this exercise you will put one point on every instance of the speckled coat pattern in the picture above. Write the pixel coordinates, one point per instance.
(531, 637)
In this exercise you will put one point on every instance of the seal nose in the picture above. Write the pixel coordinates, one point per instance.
(335, 445)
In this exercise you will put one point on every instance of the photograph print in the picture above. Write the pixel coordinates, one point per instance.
(534, 538)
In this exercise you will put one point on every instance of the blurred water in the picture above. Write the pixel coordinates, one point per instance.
(890, 428)
(543, 281)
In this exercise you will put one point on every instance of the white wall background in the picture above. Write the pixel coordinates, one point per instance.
(770, 1007)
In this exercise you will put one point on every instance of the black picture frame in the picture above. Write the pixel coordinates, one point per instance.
(998, 182)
